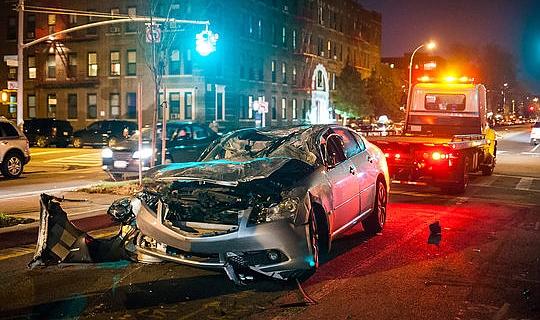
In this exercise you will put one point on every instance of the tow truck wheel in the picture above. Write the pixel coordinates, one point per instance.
(462, 184)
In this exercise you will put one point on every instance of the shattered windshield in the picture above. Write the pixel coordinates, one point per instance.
(249, 144)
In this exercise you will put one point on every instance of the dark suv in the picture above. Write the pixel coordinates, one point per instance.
(44, 132)
(14, 149)
(103, 133)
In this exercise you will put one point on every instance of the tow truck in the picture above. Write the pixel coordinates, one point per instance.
(446, 137)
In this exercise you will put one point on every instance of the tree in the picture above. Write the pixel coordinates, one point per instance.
(351, 98)
(384, 91)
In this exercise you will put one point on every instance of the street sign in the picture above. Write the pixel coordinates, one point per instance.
(153, 34)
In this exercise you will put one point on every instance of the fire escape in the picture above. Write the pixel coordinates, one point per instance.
(306, 50)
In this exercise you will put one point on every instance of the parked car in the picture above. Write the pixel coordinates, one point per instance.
(104, 133)
(265, 201)
(44, 132)
(185, 141)
(535, 134)
(14, 149)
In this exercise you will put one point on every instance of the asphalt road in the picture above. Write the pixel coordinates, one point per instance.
(485, 265)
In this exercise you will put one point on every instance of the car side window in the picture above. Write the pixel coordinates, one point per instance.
(350, 144)
(199, 133)
(7, 130)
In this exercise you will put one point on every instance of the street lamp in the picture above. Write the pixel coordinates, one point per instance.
(430, 46)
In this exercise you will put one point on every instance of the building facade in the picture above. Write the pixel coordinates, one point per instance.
(275, 62)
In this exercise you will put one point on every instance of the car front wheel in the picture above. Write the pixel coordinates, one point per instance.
(41, 142)
(374, 223)
(78, 143)
(12, 167)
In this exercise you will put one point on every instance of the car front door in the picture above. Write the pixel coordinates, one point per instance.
(341, 175)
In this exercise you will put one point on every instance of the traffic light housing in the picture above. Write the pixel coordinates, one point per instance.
(206, 42)
(5, 96)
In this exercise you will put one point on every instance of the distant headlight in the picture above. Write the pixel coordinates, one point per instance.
(286, 209)
(107, 153)
(142, 154)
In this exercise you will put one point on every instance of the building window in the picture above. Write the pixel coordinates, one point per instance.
(294, 110)
(261, 69)
(174, 62)
(293, 40)
(131, 105)
(72, 106)
(12, 73)
(274, 34)
(51, 66)
(283, 108)
(273, 107)
(131, 63)
(11, 28)
(31, 106)
(188, 105)
(51, 23)
(115, 63)
(284, 72)
(294, 75)
(92, 64)
(284, 36)
(91, 106)
(273, 70)
(72, 65)
(259, 30)
(188, 65)
(131, 26)
(93, 30)
(174, 105)
(51, 105)
(114, 105)
(115, 28)
(30, 27)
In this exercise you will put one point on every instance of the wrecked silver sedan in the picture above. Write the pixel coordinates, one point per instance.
(262, 200)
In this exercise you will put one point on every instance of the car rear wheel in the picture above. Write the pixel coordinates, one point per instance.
(41, 142)
(78, 142)
(112, 142)
(12, 167)
(374, 223)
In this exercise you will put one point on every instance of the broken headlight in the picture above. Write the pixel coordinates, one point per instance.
(286, 209)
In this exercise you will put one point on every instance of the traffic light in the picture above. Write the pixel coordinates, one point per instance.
(206, 42)
(5, 96)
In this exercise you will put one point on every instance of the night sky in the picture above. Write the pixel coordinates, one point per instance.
(513, 24)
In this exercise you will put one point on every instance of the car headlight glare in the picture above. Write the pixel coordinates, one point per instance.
(107, 153)
(142, 154)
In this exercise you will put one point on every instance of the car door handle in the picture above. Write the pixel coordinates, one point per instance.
(370, 159)
(352, 170)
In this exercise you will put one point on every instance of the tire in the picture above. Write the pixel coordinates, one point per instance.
(78, 142)
(41, 142)
(112, 142)
(314, 240)
(462, 184)
(12, 167)
(374, 223)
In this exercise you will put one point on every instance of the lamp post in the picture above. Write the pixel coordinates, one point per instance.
(429, 45)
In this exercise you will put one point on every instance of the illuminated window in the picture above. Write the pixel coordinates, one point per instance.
(114, 105)
(273, 70)
(293, 39)
(51, 105)
(115, 63)
(294, 74)
(131, 63)
(284, 36)
(91, 106)
(283, 108)
(92, 64)
(51, 23)
(12, 73)
(31, 99)
(284, 72)
(294, 110)
(51, 66)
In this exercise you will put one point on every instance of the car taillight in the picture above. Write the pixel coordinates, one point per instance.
(54, 131)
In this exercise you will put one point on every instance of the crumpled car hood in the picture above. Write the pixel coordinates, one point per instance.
(224, 171)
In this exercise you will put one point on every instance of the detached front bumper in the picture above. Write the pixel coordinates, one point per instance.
(277, 249)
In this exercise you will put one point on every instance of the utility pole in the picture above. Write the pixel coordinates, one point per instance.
(20, 64)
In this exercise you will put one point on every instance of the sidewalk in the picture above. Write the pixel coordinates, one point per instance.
(88, 211)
